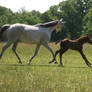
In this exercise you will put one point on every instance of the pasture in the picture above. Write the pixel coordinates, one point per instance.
(40, 76)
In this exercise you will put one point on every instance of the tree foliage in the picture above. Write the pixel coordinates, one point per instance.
(87, 27)
(73, 12)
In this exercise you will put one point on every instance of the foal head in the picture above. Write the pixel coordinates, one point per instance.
(86, 39)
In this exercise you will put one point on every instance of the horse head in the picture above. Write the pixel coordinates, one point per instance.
(59, 25)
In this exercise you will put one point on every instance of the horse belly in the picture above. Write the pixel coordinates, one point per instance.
(30, 37)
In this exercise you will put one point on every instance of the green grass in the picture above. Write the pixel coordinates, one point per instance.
(40, 76)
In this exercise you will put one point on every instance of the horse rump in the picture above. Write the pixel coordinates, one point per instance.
(3, 28)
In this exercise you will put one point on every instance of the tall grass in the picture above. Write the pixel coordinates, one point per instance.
(40, 76)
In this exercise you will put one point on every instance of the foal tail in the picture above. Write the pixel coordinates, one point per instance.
(3, 28)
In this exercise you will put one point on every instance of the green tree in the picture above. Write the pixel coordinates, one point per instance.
(87, 28)
(73, 12)
(5, 15)
(46, 17)
(26, 17)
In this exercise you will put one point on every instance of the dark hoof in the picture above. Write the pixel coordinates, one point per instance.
(0, 56)
(50, 62)
(20, 62)
(56, 62)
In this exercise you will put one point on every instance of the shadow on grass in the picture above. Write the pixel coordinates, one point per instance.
(31, 65)
(45, 65)
(77, 67)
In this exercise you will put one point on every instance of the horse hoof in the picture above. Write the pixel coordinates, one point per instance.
(56, 62)
(50, 62)
(28, 63)
(20, 62)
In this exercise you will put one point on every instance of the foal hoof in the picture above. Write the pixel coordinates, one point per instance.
(89, 66)
(0, 56)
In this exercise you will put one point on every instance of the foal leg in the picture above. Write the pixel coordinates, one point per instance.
(62, 51)
(84, 57)
(14, 50)
(36, 51)
(47, 46)
(4, 48)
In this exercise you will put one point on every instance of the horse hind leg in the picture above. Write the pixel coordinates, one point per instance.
(14, 50)
(4, 48)
(45, 44)
(35, 53)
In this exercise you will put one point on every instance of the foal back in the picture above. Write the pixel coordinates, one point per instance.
(71, 44)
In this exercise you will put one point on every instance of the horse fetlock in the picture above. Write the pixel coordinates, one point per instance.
(20, 62)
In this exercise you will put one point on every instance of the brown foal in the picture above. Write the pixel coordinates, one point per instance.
(74, 45)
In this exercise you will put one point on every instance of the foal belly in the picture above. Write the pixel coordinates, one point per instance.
(75, 46)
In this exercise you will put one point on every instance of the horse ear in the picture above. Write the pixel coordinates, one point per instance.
(62, 21)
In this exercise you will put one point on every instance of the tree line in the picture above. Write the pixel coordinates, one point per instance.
(76, 13)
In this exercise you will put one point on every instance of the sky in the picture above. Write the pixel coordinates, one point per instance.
(29, 5)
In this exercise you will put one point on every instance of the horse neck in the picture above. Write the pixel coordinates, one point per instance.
(51, 29)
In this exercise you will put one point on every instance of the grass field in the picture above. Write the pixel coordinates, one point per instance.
(40, 76)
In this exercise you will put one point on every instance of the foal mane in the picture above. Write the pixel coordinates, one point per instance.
(49, 24)
(84, 39)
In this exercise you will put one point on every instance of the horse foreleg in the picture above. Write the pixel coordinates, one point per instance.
(55, 56)
(36, 51)
(84, 57)
(4, 48)
(14, 50)
(47, 46)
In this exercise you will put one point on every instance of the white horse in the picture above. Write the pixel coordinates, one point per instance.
(38, 34)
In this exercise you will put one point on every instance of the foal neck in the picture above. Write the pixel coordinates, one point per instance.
(85, 39)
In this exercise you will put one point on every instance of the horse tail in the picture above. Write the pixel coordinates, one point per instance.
(3, 28)
(57, 42)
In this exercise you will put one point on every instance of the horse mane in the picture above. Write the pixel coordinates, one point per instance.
(49, 24)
